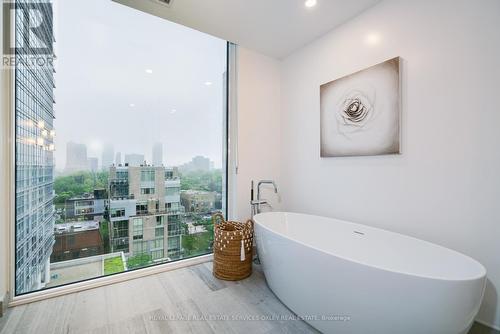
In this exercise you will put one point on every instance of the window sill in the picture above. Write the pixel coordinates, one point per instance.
(102, 281)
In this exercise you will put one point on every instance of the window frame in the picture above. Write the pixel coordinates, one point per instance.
(230, 167)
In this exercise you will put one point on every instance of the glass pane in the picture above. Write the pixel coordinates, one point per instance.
(127, 168)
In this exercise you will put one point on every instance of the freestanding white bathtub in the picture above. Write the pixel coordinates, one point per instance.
(345, 278)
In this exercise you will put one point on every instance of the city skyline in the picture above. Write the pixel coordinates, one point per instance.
(80, 160)
(153, 100)
(157, 154)
(96, 125)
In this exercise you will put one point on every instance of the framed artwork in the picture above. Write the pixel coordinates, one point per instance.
(361, 112)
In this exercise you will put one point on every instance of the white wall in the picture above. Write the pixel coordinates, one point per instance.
(258, 90)
(445, 187)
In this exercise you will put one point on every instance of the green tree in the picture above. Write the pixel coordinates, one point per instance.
(205, 181)
(197, 244)
(78, 184)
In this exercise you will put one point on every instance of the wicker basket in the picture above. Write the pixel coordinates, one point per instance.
(233, 245)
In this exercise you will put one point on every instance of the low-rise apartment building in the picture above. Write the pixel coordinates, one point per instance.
(86, 207)
(197, 201)
(144, 211)
(76, 240)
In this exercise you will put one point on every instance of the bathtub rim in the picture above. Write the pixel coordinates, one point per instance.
(468, 279)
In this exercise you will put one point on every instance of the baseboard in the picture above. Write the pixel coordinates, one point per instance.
(4, 301)
(482, 322)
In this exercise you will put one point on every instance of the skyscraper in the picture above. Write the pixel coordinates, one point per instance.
(158, 154)
(93, 164)
(118, 158)
(134, 159)
(108, 157)
(76, 157)
(198, 163)
(35, 133)
(201, 163)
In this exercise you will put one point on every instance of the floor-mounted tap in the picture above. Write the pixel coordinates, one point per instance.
(255, 204)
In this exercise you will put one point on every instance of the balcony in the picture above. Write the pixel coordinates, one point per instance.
(122, 197)
(151, 212)
(173, 198)
(175, 211)
(172, 183)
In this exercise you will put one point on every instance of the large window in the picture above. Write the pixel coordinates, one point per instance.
(130, 163)
(148, 175)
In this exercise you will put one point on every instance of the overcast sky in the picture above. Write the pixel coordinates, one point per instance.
(105, 96)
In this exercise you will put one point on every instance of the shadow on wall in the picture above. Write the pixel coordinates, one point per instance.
(490, 302)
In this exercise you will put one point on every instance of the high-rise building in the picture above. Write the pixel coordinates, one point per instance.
(158, 154)
(118, 158)
(93, 164)
(201, 163)
(198, 163)
(108, 157)
(134, 159)
(35, 216)
(144, 211)
(76, 157)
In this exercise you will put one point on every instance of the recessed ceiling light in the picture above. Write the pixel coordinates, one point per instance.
(173, 111)
(132, 105)
(310, 3)
(372, 38)
(208, 83)
(149, 71)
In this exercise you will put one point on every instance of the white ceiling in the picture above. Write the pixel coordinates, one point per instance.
(273, 27)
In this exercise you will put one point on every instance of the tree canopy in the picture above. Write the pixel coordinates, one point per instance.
(77, 184)
(199, 180)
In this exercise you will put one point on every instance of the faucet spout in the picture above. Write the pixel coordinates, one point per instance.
(266, 182)
(256, 204)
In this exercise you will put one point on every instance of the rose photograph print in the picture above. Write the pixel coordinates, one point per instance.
(360, 113)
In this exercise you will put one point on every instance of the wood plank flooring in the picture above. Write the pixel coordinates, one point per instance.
(188, 300)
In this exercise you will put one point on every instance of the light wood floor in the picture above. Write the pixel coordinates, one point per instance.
(146, 305)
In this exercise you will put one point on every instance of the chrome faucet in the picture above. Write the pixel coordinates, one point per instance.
(258, 202)
(265, 182)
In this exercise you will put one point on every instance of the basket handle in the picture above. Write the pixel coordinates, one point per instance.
(218, 217)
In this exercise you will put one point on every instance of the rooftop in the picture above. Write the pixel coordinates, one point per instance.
(82, 197)
(76, 226)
